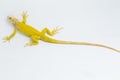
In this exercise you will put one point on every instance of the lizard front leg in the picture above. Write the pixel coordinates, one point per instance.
(8, 38)
(51, 33)
(24, 15)
(34, 40)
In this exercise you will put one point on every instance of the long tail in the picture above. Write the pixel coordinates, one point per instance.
(50, 40)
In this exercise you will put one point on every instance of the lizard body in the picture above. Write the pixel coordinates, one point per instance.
(36, 35)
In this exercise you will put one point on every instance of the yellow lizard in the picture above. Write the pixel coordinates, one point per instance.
(36, 35)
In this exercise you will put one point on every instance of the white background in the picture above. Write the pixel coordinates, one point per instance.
(83, 20)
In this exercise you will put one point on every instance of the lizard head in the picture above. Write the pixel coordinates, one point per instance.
(12, 19)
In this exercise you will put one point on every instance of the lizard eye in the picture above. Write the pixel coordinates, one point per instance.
(10, 18)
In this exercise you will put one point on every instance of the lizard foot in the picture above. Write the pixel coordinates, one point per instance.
(6, 39)
(56, 30)
(30, 44)
(24, 14)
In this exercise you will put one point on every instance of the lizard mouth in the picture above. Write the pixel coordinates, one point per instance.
(12, 19)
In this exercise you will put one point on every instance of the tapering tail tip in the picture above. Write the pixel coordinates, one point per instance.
(89, 44)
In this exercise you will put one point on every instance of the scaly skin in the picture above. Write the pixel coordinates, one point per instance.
(36, 35)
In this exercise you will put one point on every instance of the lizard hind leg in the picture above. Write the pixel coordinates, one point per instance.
(51, 33)
(34, 41)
